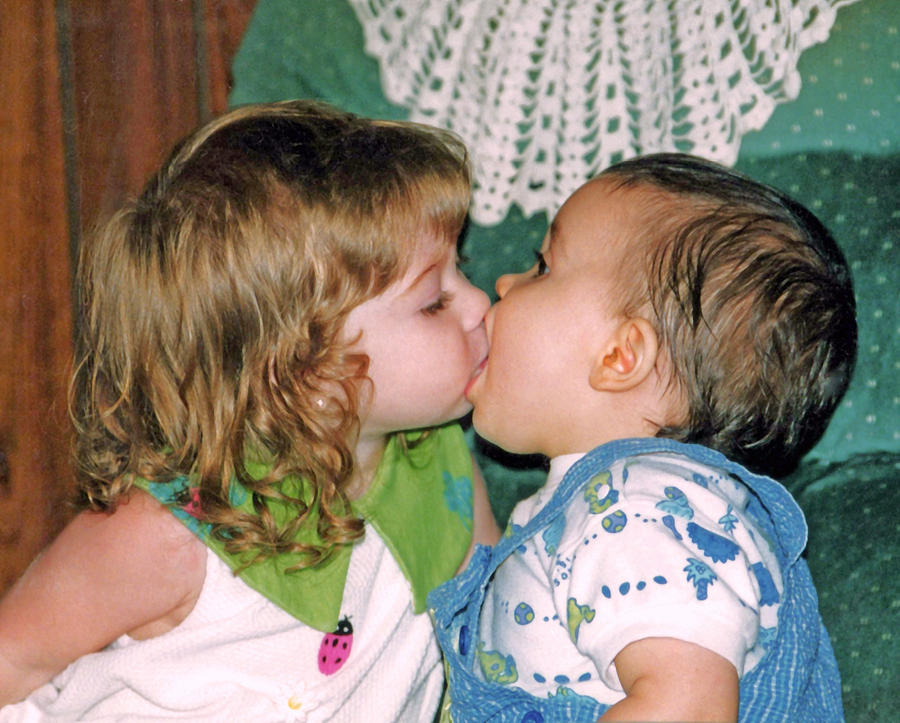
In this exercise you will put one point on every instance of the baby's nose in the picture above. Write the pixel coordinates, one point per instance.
(504, 284)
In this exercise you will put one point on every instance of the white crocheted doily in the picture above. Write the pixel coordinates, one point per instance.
(546, 93)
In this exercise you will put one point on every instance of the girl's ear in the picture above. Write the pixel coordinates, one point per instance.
(627, 359)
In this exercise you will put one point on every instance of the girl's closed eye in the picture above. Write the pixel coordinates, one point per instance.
(439, 304)
(542, 267)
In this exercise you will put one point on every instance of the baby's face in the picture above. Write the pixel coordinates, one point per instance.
(534, 394)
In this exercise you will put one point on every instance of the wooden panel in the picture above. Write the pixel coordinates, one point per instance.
(35, 329)
(225, 21)
(138, 86)
(135, 93)
(94, 95)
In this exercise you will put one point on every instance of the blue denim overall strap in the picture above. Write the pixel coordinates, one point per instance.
(797, 679)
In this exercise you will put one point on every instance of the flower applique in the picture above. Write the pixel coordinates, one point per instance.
(295, 702)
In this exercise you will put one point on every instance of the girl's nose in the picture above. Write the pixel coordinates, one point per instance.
(477, 304)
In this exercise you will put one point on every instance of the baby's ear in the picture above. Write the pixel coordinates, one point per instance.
(628, 357)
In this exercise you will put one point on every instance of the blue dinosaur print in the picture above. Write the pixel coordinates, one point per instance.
(552, 534)
(728, 521)
(523, 614)
(669, 522)
(701, 480)
(768, 593)
(676, 503)
(700, 574)
(458, 497)
(596, 503)
(496, 667)
(716, 547)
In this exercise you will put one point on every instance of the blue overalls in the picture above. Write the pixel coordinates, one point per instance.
(797, 680)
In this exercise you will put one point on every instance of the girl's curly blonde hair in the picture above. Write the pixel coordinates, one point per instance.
(212, 307)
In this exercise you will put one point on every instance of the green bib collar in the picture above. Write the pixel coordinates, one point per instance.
(419, 503)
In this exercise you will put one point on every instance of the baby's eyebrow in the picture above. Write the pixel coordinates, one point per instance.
(554, 232)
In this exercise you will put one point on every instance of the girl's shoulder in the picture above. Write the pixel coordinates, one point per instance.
(152, 549)
(135, 571)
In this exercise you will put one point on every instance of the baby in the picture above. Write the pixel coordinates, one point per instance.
(685, 333)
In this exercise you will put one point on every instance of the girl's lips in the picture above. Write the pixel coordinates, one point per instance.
(478, 370)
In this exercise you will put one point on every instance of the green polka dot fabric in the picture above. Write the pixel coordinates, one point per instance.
(850, 92)
(309, 49)
(855, 195)
(854, 557)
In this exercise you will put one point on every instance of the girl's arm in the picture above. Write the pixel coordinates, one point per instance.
(672, 680)
(136, 571)
(485, 530)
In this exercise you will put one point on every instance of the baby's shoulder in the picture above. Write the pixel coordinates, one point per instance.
(640, 475)
(651, 486)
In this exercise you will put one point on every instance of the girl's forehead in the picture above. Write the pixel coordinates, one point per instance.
(419, 254)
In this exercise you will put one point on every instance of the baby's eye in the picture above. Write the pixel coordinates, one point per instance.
(441, 303)
(542, 267)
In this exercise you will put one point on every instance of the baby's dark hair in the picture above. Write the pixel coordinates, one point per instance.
(212, 308)
(753, 302)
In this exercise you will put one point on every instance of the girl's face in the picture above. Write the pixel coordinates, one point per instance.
(426, 343)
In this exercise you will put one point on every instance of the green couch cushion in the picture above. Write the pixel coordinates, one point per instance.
(856, 197)
(309, 49)
(854, 556)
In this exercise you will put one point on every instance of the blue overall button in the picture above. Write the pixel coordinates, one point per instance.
(533, 716)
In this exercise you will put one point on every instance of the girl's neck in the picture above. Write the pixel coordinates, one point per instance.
(367, 455)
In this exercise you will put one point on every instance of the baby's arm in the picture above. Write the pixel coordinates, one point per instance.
(485, 530)
(136, 571)
(665, 679)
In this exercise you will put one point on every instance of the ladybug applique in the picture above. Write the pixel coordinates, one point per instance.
(335, 648)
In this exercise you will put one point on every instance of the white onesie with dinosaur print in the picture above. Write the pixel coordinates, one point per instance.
(657, 546)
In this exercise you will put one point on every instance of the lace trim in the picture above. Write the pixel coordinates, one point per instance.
(546, 93)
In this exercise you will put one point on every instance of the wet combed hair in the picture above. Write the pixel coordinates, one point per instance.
(754, 305)
(212, 308)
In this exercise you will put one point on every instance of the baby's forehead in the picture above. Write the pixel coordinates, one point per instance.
(618, 217)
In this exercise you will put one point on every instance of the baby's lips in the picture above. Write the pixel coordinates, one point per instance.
(475, 376)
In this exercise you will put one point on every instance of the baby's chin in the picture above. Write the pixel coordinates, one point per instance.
(498, 438)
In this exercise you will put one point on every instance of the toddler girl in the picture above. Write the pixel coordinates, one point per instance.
(274, 341)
